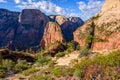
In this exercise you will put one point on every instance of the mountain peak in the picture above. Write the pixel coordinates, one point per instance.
(110, 4)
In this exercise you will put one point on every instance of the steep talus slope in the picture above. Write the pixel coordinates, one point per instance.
(52, 34)
(107, 28)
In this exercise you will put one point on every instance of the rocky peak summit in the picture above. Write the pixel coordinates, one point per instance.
(110, 4)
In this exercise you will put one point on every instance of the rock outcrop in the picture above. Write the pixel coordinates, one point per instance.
(25, 30)
(22, 30)
(110, 4)
(68, 25)
(31, 29)
(14, 55)
(8, 26)
(107, 28)
(52, 34)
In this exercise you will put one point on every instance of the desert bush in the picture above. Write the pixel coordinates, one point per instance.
(51, 63)
(40, 78)
(43, 61)
(7, 64)
(84, 52)
(78, 73)
(2, 72)
(60, 54)
(58, 71)
(30, 71)
(69, 71)
(100, 67)
(22, 65)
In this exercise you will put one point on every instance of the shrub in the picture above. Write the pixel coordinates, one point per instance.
(60, 54)
(30, 71)
(78, 73)
(22, 65)
(84, 52)
(51, 63)
(2, 72)
(8, 64)
(58, 71)
(100, 67)
(69, 71)
(40, 78)
(43, 61)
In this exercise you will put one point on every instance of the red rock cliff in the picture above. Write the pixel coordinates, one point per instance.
(52, 34)
(107, 28)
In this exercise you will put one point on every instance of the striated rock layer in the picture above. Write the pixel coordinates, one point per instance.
(31, 28)
(25, 30)
(107, 28)
(52, 34)
(21, 30)
(68, 25)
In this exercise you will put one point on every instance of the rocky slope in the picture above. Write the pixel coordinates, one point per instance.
(106, 28)
(68, 25)
(52, 34)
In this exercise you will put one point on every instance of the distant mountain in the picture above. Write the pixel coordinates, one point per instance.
(26, 29)
(68, 25)
(101, 32)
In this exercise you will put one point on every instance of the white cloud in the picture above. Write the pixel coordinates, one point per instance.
(17, 1)
(91, 8)
(45, 6)
(2, 1)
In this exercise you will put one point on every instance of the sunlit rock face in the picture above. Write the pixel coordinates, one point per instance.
(52, 34)
(68, 25)
(107, 28)
(31, 28)
(110, 4)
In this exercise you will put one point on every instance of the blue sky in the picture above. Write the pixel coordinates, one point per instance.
(78, 8)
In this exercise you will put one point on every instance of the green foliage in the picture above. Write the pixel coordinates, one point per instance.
(7, 64)
(40, 78)
(22, 65)
(58, 71)
(51, 63)
(69, 71)
(78, 73)
(78, 47)
(30, 71)
(2, 72)
(60, 54)
(100, 66)
(43, 60)
(95, 17)
(70, 46)
(84, 52)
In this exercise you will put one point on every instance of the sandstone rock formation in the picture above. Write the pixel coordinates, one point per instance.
(68, 25)
(107, 28)
(31, 28)
(110, 4)
(8, 26)
(52, 34)
(25, 30)
(23, 34)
